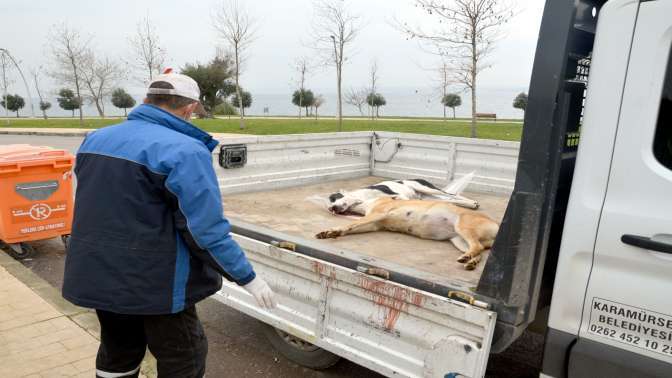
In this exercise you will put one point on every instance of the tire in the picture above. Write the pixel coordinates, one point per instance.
(300, 351)
(66, 242)
(27, 251)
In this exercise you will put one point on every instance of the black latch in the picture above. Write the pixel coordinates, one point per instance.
(232, 155)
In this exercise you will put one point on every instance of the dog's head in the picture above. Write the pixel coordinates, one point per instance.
(343, 203)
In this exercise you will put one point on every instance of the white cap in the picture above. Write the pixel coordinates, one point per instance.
(183, 85)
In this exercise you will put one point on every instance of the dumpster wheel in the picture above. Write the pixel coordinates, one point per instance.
(299, 351)
(19, 251)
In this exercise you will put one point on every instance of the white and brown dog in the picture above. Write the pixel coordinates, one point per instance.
(470, 231)
(353, 202)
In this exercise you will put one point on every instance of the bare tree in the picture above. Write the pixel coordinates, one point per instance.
(36, 78)
(302, 67)
(319, 101)
(357, 98)
(334, 28)
(465, 34)
(149, 55)
(100, 77)
(237, 29)
(373, 85)
(445, 80)
(69, 53)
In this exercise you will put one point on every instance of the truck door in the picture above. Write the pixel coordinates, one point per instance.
(626, 328)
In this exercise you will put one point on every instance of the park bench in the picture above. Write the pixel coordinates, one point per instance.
(486, 116)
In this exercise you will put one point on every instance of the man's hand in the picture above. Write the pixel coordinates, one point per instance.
(261, 292)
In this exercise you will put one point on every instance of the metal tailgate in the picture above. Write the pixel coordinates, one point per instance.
(387, 327)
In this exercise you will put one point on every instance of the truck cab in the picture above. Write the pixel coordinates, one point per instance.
(611, 312)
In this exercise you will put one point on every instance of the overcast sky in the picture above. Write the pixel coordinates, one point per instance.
(283, 32)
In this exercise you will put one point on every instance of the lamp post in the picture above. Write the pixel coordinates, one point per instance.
(4, 54)
(3, 64)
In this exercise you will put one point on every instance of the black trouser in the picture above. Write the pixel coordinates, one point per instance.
(176, 340)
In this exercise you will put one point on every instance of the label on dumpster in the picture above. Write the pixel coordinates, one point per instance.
(38, 212)
(631, 325)
(45, 227)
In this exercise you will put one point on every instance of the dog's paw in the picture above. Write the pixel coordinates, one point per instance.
(472, 263)
(329, 234)
(464, 258)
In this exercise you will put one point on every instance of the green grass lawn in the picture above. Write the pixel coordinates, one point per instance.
(487, 130)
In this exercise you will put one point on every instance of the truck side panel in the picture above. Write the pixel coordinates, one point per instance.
(390, 328)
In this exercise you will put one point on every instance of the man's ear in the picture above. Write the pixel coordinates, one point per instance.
(189, 110)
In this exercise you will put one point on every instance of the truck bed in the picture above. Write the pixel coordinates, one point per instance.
(288, 211)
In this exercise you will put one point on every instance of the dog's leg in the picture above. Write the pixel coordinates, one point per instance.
(464, 228)
(460, 244)
(367, 224)
(488, 243)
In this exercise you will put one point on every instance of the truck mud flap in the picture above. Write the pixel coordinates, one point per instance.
(390, 328)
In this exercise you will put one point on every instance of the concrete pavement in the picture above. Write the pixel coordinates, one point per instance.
(41, 334)
(37, 339)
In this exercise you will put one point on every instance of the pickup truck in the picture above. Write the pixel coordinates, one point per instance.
(584, 250)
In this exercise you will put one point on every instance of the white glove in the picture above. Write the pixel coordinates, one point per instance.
(261, 292)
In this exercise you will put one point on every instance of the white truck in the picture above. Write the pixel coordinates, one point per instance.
(585, 202)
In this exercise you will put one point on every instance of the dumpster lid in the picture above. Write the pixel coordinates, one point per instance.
(17, 153)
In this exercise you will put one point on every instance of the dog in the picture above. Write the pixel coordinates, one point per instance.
(352, 202)
(469, 231)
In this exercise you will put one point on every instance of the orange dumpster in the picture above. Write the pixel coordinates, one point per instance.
(36, 199)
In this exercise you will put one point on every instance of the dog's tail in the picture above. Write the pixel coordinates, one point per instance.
(458, 186)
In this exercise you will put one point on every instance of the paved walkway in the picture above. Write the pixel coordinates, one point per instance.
(37, 340)
(42, 334)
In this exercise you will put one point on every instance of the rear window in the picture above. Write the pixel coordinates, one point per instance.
(662, 144)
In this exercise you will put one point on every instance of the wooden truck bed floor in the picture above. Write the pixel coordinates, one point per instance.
(289, 211)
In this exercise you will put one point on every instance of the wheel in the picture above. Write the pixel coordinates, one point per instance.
(66, 241)
(22, 251)
(300, 351)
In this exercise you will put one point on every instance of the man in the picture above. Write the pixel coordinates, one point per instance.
(149, 239)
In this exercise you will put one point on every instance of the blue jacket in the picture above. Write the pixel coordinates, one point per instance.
(149, 235)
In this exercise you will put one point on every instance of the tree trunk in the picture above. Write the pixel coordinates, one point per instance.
(473, 111)
(473, 83)
(301, 104)
(44, 114)
(240, 97)
(340, 105)
(73, 113)
(17, 114)
(339, 68)
(101, 112)
(377, 109)
(444, 113)
(79, 95)
(316, 113)
(125, 115)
